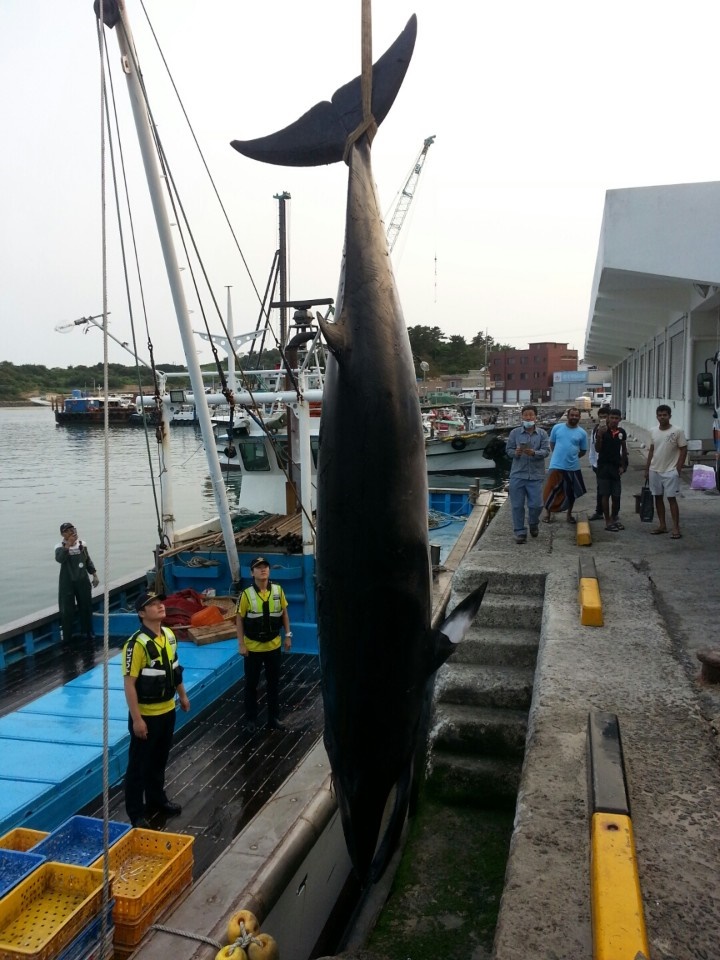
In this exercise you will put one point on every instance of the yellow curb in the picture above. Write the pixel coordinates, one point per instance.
(618, 924)
(591, 614)
(583, 537)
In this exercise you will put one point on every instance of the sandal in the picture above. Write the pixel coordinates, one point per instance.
(571, 519)
(676, 536)
(656, 533)
(548, 519)
(617, 524)
(614, 528)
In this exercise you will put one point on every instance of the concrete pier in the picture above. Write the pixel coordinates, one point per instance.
(660, 607)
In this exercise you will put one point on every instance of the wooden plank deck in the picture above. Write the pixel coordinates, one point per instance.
(218, 772)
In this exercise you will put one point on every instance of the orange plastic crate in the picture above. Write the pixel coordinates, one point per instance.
(128, 935)
(44, 912)
(22, 839)
(145, 864)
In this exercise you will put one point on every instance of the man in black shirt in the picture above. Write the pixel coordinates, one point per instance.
(611, 447)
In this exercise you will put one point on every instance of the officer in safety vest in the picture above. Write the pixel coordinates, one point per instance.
(152, 677)
(261, 612)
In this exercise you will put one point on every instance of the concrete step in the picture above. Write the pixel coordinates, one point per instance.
(485, 686)
(479, 781)
(508, 646)
(472, 573)
(460, 729)
(498, 610)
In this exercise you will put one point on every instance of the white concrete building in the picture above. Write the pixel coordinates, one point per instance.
(655, 303)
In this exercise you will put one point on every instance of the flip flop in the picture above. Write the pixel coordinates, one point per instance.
(656, 533)
(571, 519)
(618, 525)
(548, 520)
(676, 536)
(614, 528)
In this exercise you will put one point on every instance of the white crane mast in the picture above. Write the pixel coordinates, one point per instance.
(408, 191)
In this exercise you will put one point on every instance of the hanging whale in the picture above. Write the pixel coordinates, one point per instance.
(378, 653)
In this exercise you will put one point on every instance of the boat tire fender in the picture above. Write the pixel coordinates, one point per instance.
(458, 443)
(230, 452)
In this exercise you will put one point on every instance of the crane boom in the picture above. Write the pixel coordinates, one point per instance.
(408, 191)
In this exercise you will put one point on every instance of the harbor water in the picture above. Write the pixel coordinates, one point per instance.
(51, 474)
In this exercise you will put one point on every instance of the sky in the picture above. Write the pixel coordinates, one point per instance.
(537, 109)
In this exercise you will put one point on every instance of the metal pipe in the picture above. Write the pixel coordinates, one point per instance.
(147, 149)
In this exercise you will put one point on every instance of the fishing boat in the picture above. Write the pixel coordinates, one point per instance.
(85, 409)
(63, 746)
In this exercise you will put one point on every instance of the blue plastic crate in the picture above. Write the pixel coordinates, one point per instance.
(87, 942)
(79, 840)
(15, 866)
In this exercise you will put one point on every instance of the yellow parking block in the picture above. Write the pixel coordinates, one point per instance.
(591, 614)
(618, 924)
(583, 538)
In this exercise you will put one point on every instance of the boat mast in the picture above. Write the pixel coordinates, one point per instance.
(147, 149)
(282, 263)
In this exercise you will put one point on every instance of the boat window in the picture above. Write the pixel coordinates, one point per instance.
(254, 455)
(314, 447)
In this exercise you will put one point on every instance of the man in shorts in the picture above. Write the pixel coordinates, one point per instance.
(666, 457)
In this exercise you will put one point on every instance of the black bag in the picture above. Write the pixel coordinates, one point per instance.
(647, 505)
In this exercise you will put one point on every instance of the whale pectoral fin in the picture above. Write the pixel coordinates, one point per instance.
(334, 334)
(319, 136)
(450, 634)
(391, 836)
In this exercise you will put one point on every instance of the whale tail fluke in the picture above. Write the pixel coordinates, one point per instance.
(320, 135)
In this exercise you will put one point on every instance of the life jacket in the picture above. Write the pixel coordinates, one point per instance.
(159, 679)
(264, 617)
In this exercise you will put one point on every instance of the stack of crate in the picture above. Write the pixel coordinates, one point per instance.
(50, 914)
(150, 870)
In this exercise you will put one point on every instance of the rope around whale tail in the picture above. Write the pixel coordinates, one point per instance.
(368, 124)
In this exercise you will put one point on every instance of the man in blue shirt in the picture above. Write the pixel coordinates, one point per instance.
(565, 485)
(529, 447)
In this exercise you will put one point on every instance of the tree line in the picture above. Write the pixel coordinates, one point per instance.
(446, 355)
(443, 354)
(20, 381)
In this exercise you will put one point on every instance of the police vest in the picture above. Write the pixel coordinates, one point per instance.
(160, 677)
(264, 618)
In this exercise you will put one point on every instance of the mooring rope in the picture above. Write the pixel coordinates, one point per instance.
(368, 125)
(187, 935)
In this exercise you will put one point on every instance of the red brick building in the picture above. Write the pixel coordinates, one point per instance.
(527, 375)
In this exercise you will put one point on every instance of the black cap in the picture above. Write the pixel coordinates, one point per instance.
(66, 526)
(145, 598)
(257, 561)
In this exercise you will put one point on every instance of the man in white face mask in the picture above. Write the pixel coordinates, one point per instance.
(528, 446)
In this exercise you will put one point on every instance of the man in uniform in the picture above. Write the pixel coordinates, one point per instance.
(261, 612)
(152, 677)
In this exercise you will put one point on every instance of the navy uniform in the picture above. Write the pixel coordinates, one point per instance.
(152, 677)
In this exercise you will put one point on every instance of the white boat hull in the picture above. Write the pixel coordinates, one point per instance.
(463, 452)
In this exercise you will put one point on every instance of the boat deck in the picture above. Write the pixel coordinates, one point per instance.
(218, 772)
